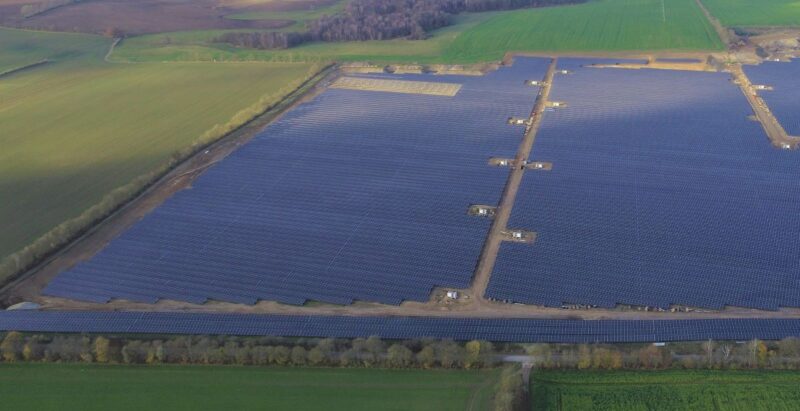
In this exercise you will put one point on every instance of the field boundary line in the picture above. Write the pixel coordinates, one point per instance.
(17, 70)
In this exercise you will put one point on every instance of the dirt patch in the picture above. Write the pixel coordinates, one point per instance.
(134, 17)
(397, 86)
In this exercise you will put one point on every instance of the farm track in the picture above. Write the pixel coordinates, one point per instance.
(500, 224)
(722, 32)
(107, 57)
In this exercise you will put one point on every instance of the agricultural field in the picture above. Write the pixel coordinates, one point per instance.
(135, 17)
(602, 25)
(95, 387)
(665, 390)
(21, 48)
(78, 128)
(755, 13)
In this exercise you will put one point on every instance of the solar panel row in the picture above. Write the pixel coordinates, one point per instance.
(356, 195)
(783, 100)
(500, 330)
(662, 192)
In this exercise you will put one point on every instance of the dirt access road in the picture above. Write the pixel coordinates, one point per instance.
(500, 224)
(775, 131)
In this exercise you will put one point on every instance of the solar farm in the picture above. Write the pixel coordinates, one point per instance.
(663, 192)
(541, 186)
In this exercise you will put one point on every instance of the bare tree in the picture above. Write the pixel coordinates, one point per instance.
(726, 352)
(708, 347)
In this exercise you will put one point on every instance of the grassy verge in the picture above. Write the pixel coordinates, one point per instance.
(755, 13)
(94, 387)
(81, 136)
(665, 390)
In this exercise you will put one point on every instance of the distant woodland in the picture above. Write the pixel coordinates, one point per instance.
(381, 20)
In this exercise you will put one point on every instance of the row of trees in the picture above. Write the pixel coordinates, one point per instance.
(359, 352)
(380, 20)
(783, 354)
(374, 352)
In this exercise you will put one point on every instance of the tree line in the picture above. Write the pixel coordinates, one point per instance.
(363, 20)
(219, 350)
(754, 354)
(375, 352)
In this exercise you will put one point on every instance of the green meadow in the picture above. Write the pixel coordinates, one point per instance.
(755, 13)
(79, 387)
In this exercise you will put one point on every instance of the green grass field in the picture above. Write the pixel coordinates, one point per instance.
(74, 130)
(600, 25)
(665, 390)
(19, 48)
(67, 387)
(755, 13)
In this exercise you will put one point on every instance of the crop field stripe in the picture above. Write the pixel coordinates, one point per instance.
(672, 390)
(492, 329)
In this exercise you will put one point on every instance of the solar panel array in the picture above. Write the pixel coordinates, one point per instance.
(497, 329)
(356, 195)
(662, 192)
(784, 100)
